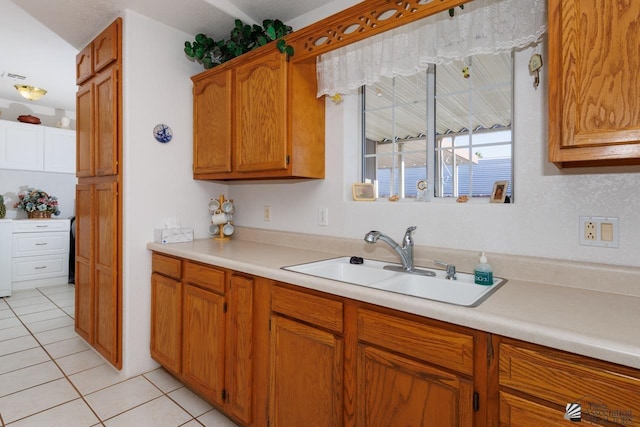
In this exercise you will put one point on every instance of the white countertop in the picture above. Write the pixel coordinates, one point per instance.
(601, 325)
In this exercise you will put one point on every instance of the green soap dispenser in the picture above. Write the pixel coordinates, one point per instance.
(483, 272)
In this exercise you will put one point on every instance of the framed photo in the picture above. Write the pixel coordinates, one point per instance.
(363, 192)
(499, 192)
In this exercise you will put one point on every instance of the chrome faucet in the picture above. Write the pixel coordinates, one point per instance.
(405, 251)
(406, 254)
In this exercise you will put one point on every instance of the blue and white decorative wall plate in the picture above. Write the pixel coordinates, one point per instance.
(162, 133)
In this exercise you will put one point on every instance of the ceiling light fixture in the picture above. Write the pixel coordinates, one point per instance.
(32, 93)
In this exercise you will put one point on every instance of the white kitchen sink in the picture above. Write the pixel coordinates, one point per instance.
(372, 274)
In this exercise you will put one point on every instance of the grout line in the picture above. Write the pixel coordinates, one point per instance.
(166, 394)
(101, 422)
(81, 396)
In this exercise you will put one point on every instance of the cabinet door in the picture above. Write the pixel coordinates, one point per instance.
(21, 146)
(398, 391)
(59, 150)
(84, 64)
(239, 375)
(212, 137)
(166, 321)
(594, 104)
(306, 375)
(84, 131)
(203, 342)
(107, 313)
(105, 142)
(261, 114)
(84, 275)
(106, 46)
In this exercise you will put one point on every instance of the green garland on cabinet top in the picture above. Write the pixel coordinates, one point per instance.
(243, 38)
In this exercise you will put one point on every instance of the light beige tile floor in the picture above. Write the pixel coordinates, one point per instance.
(51, 377)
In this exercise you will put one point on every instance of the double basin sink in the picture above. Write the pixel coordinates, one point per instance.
(372, 274)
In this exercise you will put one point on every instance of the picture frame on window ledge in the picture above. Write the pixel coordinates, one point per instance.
(363, 192)
(499, 193)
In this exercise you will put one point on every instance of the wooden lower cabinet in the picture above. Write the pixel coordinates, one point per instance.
(203, 325)
(240, 347)
(539, 386)
(306, 360)
(166, 321)
(411, 373)
(202, 331)
(521, 412)
(274, 354)
(306, 375)
(398, 391)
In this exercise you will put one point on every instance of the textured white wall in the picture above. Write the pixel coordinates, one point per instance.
(157, 177)
(543, 221)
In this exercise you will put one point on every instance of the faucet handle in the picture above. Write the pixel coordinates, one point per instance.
(410, 230)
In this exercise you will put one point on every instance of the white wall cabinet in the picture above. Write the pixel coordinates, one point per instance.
(59, 150)
(40, 253)
(21, 146)
(38, 148)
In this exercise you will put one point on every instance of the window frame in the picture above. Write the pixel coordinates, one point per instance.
(432, 158)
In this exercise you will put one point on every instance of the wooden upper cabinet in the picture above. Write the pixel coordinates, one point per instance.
(257, 116)
(261, 109)
(594, 82)
(98, 105)
(102, 51)
(106, 123)
(84, 131)
(84, 64)
(107, 46)
(212, 123)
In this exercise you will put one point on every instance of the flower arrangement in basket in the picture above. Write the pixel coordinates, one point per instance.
(38, 204)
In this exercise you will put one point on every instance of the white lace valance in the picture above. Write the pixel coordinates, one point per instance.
(482, 27)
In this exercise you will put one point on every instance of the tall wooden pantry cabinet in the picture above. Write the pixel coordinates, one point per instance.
(99, 193)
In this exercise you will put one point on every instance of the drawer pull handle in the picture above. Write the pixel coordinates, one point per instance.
(42, 226)
(41, 244)
(41, 268)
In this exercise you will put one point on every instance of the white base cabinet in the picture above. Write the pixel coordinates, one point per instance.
(5, 257)
(40, 253)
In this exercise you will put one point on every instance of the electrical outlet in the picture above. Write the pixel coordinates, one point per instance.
(267, 213)
(590, 232)
(599, 231)
(323, 217)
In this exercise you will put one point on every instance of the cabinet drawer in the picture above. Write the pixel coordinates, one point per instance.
(33, 244)
(443, 347)
(40, 225)
(319, 311)
(204, 276)
(518, 412)
(562, 378)
(166, 265)
(40, 267)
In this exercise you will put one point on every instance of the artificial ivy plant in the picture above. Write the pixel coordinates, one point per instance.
(243, 38)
